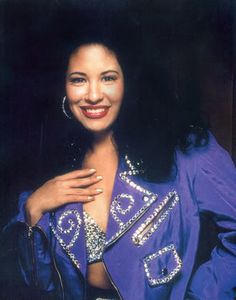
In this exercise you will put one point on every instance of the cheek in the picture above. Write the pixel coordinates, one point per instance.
(116, 93)
(74, 93)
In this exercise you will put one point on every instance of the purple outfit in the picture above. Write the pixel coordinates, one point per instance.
(153, 246)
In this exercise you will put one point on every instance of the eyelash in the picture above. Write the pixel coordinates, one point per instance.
(107, 78)
(77, 80)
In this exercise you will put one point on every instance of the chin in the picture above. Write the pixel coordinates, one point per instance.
(98, 129)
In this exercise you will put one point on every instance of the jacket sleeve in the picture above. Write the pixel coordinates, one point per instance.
(215, 192)
(33, 247)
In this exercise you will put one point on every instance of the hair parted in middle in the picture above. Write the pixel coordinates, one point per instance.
(159, 113)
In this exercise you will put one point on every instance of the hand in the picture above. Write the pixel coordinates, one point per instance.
(74, 186)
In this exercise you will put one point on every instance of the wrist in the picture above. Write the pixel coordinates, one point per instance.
(33, 214)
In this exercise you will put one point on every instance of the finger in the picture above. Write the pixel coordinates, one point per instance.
(79, 198)
(84, 192)
(83, 182)
(76, 174)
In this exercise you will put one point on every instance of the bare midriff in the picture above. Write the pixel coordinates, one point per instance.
(98, 277)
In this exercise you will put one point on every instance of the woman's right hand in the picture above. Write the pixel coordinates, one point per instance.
(75, 186)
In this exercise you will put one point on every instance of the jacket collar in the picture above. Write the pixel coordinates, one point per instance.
(130, 200)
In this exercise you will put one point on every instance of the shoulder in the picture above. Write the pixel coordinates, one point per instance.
(208, 158)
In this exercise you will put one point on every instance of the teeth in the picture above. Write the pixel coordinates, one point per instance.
(95, 111)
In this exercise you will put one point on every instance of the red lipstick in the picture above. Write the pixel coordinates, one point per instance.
(95, 112)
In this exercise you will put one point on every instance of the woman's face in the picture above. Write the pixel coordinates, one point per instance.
(94, 87)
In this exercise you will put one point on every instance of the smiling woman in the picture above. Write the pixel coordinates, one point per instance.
(94, 87)
(127, 222)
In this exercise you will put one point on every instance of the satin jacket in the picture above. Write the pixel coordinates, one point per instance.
(156, 240)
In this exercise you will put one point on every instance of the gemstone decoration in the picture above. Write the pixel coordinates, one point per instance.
(152, 223)
(169, 275)
(116, 206)
(148, 198)
(74, 222)
(95, 239)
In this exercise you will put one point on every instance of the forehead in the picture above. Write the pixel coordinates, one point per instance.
(93, 55)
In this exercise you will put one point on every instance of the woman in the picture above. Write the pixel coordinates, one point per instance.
(128, 226)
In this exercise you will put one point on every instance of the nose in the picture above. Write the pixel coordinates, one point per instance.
(94, 93)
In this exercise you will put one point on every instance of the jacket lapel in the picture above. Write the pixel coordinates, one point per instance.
(130, 200)
(67, 226)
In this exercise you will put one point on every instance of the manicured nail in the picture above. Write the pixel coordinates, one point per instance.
(99, 190)
(99, 177)
(90, 198)
(92, 170)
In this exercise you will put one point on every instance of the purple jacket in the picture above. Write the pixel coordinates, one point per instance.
(157, 245)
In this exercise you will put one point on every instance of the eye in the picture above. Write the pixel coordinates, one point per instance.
(77, 80)
(109, 78)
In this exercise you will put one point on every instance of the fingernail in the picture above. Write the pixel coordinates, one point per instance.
(99, 190)
(90, 198)
(92, 170)
(99, 177)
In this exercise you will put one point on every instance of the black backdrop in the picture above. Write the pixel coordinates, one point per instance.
(32, 84)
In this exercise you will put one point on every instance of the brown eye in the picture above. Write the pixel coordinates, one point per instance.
(109, 78)
(77, 80)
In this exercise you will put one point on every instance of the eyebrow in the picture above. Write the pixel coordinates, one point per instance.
(84, 74)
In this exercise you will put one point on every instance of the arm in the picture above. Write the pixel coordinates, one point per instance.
(215, 193)
(33, 245)
(33, 234)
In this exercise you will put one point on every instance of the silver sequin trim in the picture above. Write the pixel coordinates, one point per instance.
(95, 239)
(148, 198)
(66, 230)
(136, 216)
(133, 171)
(116, 206)
(163, 279)
(142, 234)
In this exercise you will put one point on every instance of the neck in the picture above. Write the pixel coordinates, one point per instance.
(103, 142)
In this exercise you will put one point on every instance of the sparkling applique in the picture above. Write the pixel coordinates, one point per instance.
(125, 226)
(151, 224)
(62, 229)
(148, 199)
(95, 239)
(133, 171)
(116, 206)
(166, 276)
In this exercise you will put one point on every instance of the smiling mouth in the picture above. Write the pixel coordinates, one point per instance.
(96, 112)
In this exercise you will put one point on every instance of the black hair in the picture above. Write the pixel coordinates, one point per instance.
(161, 107)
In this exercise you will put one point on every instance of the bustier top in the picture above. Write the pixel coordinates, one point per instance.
(95, 239)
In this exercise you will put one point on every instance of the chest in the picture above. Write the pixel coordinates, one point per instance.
(99, 208)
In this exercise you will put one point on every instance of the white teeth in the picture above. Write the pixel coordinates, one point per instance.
(95, 111)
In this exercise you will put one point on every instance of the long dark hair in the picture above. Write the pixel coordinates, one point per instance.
(159, 113)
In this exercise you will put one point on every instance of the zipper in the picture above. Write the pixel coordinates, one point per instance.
(54, 263)
(32, 250)
(147, 228)
(30, 238)
(130, 225)
(111, 280)
(58, 275)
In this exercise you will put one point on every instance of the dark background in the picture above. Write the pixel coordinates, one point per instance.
(200, 31)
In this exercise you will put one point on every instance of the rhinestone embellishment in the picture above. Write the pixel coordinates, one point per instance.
(125, 226)
(62, 228)
(163, 278)
(95, 239)
(133, 171)
(148, 199)
(152, 223)
(116, 206)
